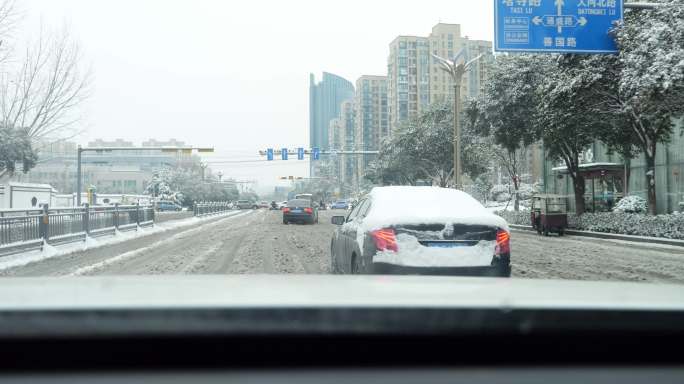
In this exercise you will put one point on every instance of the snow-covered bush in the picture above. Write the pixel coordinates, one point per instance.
(526, 191)
(500, 193)
(516, 218)
(631, 204)
(666, 226)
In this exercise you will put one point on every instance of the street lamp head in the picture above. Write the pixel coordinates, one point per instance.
(458, 55)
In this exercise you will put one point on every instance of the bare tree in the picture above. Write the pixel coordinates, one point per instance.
(513, 162)
(41, 97)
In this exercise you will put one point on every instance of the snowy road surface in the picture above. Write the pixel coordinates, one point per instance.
(258, 242)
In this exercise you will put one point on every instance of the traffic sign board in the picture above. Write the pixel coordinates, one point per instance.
(566, 26)
(316, 154)
(269, 154)
(300, 153)
(283, 153)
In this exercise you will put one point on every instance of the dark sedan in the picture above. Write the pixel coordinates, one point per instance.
(300, 211)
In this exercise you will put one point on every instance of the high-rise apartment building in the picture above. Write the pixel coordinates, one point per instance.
(347, 170)
(325, 99)
(372, 120)
(415, 79)
(408, 83)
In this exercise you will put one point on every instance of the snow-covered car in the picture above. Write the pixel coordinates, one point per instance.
(167, 206)
(246, 204)
(421, 230)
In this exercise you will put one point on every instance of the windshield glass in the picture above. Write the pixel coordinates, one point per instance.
(522, 140)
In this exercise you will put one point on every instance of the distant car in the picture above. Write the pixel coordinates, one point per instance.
(246, 204)
(300, 211)
(167, 206)
(282, 205)
(421, 231)
(340, 204)
(264, 204)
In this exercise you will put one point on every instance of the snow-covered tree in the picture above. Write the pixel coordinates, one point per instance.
(422, 148)
(650, 89)
(15, 147)
(505, 112)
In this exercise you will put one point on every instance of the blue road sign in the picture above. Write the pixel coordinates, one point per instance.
(566, 26)
(269, 154)
(283, 153)
(316, 154)
(300, 153)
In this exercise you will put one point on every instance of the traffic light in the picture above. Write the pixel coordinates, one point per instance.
(269, 154)
(300, 153)
(316, 154)
(283, 154)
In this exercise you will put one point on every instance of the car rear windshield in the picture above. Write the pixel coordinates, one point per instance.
(243, 202)
(299, 203)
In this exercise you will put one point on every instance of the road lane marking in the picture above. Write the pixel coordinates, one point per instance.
(131, 254)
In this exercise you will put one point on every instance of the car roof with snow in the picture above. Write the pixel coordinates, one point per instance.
(426, 205)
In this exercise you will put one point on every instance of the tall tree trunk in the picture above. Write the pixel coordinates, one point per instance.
(628, 172)
(579, 187)
(650, 179)
(516, 203)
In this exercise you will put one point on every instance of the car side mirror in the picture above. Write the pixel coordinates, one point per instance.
(338, 220)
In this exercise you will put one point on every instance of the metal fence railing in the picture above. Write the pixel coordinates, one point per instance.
(22, 230)
(211, 208)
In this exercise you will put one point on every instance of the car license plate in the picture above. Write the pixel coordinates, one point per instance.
(296, 211)
(443, 244)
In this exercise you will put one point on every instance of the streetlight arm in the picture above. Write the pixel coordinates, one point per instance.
(471, 62)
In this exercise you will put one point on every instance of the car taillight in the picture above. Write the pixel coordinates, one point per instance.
(503, 243)
(385, 240)
(308, 210)
(286, 209)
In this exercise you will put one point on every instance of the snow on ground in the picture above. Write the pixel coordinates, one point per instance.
(50, 251)
(259, 243)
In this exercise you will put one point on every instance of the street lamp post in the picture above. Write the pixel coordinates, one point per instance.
(456, 68)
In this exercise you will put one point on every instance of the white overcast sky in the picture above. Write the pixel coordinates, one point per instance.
(232, 74)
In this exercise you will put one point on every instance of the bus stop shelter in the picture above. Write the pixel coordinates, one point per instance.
(604, 184)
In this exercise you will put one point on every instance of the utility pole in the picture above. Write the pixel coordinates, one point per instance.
(456, 68)
(78, 177)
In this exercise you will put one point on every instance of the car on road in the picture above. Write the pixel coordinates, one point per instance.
(263, 204)
(300, 211)
(282, 205)
(420, 230)
(246, 204)
(167, 206)
(340, 204)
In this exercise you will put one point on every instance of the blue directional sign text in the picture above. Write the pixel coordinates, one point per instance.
(566, 26)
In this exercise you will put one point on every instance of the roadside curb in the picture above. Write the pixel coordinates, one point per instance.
(610, 236)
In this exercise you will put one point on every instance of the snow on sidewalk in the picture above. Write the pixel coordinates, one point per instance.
(49, 251)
